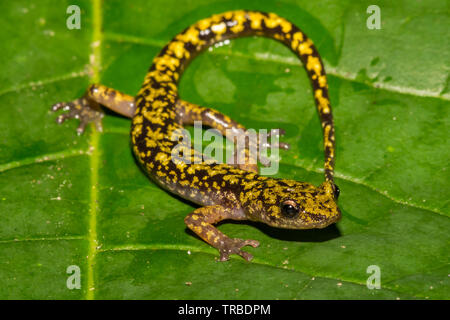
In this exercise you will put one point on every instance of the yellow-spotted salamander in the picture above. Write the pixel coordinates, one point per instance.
(223, 191)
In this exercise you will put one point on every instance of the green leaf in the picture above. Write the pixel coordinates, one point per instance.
(68, 200)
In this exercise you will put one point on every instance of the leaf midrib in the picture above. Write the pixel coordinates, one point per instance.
(95, 155)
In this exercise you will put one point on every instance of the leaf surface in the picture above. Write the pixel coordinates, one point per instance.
(68, 200)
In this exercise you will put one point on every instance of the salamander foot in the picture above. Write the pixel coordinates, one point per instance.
(233, 246)
(84, 109)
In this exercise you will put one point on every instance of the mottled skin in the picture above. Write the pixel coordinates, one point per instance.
(223, 191)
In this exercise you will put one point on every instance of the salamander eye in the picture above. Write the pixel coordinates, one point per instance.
(336, 192)
(289, 209)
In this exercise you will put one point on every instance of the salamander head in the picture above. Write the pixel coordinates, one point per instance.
(294, 205)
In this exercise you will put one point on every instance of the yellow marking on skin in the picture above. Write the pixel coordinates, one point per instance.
(161, 173)
(278, 36)
(255, 19)
(239, 17)
(314, 65)
(203, 24)
(155, 135)
(209, 234)
(181, 165)
(198, 230)
(137, 130)
(166, 61)
(326, 131)
(191, 35)
(305, 47)
(231, 178)
(216, 18)
(323, 81)
(191, 170)
(153, 117)
(228, 15)
(177, 47)
(323, 103)
(237, 28)
(219, 29)
(286, 26)
(162, 157)
(138, 119)
(274, 21)
(275, 211)
(250, 185)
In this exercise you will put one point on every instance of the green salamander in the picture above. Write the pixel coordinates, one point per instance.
(223, 191)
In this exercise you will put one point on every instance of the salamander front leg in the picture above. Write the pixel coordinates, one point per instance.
(201, 222)
(87, 108)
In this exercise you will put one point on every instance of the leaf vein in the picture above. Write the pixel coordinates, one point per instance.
(19, 87)
(42, 158)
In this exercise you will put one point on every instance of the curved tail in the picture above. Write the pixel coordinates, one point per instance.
(175, 56)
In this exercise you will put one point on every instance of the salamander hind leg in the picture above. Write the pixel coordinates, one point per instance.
(201, 222)
(243, 156)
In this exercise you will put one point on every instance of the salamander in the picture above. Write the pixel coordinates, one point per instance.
(222, 190)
